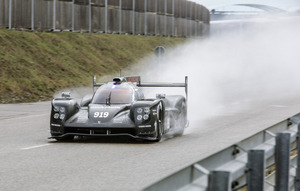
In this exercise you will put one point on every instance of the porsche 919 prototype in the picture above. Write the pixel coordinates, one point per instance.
(119, 108)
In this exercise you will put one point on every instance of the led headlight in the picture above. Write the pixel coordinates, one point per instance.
(146, 117)
(56, 116)
(62, 109)
(62, 116)
(139, 110)
(56, 109)
(147, 110)
(139, 117)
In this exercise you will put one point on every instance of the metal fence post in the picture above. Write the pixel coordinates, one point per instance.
(90, 16)
(219, 181)
(120, 16)
(165, 19)
(155, 21)
(145, 17)
(282, 160)
(105, 17)
(196, 23)
(54, 15)
(190, 20)
(73, 15)
(173, 18)
(32, 15)
(256, 173)
(9, 14)
(186, 18)
(297, 178)
(133, 17)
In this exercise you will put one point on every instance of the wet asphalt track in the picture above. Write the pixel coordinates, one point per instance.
(29, 161)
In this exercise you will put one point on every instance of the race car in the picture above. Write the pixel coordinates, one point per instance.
(119, 108)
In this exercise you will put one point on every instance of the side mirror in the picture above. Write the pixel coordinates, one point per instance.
(160, 96)
(66, 95)
(86, 100)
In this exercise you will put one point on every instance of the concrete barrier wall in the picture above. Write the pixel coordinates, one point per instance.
(43, 12)
(81, 20)
(147, 17)
(4, 13)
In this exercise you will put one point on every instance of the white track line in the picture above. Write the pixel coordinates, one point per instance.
(279, 106)
(34, 147)
(12, 117)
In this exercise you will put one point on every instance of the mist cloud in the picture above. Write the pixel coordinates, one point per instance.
(240, 63)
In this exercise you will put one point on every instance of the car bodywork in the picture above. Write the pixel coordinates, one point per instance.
(119, 108)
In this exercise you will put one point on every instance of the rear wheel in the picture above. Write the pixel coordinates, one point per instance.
(181, 120)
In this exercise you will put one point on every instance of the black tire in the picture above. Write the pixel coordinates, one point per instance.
(158, 126)
(66, 138)
(158, 131)
(181, 120)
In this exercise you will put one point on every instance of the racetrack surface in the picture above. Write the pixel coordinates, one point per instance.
(254, 82)
(29, 161)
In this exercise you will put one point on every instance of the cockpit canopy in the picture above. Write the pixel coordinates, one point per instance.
(113, 93)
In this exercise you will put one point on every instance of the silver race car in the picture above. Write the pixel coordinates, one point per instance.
(119, 108)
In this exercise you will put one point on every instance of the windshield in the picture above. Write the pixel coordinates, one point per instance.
(115, 96)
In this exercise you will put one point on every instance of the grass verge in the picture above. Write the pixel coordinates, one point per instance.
(35, 65)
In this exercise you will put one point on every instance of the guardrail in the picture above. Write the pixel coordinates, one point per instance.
(144, 17)
(265, 161)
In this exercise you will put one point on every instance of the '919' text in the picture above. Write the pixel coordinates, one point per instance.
(101, 114)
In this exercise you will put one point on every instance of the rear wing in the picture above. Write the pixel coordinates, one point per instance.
(184, 85)
(137, 81)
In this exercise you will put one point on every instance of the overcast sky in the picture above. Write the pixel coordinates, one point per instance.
(283, 4)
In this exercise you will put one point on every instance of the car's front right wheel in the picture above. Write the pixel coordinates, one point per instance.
(158, 130)
(158, 126)
(180, 121)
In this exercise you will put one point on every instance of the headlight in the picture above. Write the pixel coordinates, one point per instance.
(62, 109)
(147, 110)
(139, 117)
(62, 116)
(56, 109)
(143, 114)
(56, 116)
(139, 110)
(146, 117)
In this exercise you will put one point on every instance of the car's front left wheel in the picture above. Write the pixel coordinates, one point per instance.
(66, 138)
